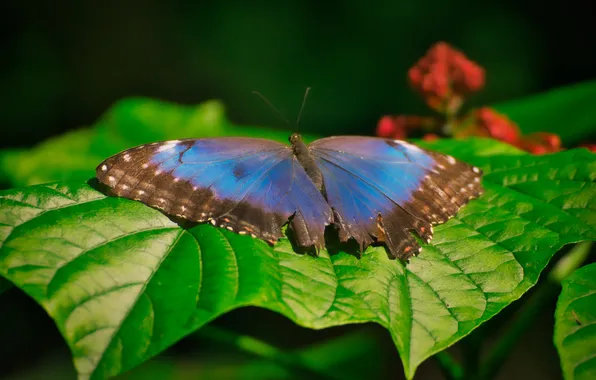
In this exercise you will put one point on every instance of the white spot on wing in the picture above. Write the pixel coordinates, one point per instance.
(141, 192)
(104, 167)
(126, 157)
(476, 170)
(145, 166)
(111, 179)
(167, 146)
(230, 228)
(124, 187)
(157, 172)
(451, 160)
(413, 147)
(176, 179)
(476, 179)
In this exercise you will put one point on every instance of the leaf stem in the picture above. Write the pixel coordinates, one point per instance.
(449, 366)
(471, 348)
(525, 317)
(258, 348)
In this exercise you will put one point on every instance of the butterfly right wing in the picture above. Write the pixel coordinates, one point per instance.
(251, 186)
(385, 189)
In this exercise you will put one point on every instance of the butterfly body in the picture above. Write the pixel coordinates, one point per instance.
(370, 189)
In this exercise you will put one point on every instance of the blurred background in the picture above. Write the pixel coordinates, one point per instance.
(65, 62)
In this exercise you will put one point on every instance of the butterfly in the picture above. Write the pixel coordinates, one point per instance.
(371, 189)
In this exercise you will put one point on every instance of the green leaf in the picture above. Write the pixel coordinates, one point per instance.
(567, 111)
(471, 147)
(575, 324)
(123, 282)
(58, 159)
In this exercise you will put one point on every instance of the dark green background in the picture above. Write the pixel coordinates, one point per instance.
(65, 62)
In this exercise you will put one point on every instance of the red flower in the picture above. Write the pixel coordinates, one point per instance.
(396, 127)
(493, 124)
(390, 127)
(589, 146)
(541, 143)
(444, 75)
(431, 137)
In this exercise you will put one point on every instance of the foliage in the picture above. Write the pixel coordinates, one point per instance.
(111, 271)
(575, 325)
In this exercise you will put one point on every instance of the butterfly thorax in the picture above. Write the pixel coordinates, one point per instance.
(306, 159)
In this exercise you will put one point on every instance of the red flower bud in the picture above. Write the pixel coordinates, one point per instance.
(589, 146)
(549, 140)
(534, 147)
(397, 127)
(493, 124)
(387, 127)
(541, 143)
(431, 137)
(444, 75)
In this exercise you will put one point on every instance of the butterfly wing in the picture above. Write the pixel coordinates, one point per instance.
(251, 186)
(382, 189)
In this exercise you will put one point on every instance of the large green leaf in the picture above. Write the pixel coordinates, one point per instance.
(575, 324)
(567, 111)
(123, 282)
(472, 147)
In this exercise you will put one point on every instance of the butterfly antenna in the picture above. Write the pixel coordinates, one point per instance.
(272, 106)
(303, 103)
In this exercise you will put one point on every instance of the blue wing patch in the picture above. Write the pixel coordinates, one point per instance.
(382, 190)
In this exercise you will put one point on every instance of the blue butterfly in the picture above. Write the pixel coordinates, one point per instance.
(371, 189)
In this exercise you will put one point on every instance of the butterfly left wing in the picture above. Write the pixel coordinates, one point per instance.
(381, 189)
(251, 186)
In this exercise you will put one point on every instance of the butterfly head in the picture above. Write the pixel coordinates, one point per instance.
(295, 138)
